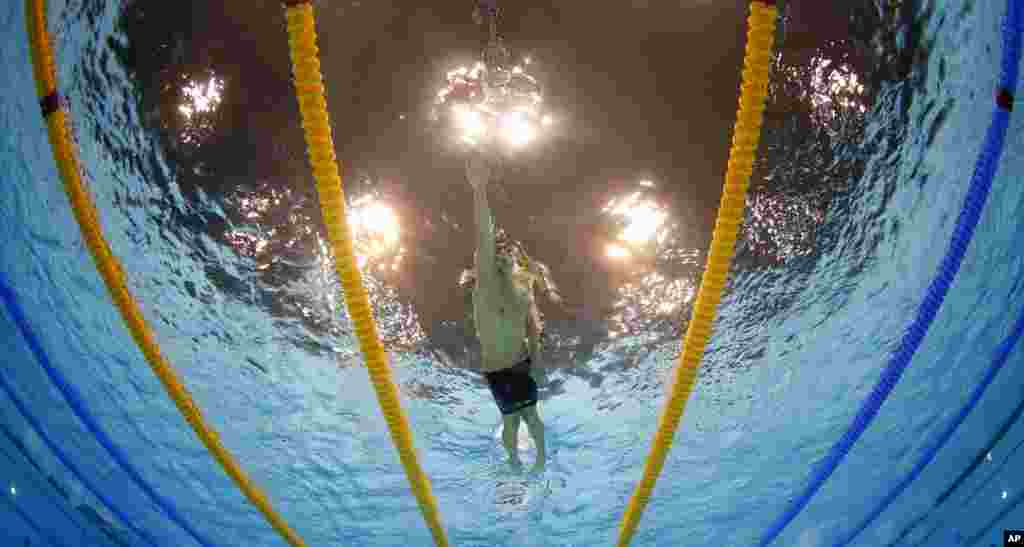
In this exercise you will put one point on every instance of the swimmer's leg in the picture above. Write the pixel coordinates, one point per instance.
(537, 432)
(510, 436)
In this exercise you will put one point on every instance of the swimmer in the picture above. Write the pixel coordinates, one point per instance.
(507, 320)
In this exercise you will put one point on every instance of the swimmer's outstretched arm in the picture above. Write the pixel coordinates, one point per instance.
(478, 173)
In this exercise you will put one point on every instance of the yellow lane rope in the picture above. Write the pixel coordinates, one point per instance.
(746, 136)
(309, 90)
(66, 155)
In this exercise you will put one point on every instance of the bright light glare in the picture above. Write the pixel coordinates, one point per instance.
(616, 251)
(643, 219)
(470, 120)
(14, 491)
(200, 98)
(836, 83)
(644, 223)
(379, 221)
(499, 103)
(516, 129)
(377, 233)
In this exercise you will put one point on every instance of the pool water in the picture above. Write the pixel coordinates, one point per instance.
(828, 277)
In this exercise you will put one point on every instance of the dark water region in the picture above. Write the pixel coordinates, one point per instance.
(645, 99)
(16, 454)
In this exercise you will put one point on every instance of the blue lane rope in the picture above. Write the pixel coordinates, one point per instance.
(981, 182)
(75, 401)
(1002, 354)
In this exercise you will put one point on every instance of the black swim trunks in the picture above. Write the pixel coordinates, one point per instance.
(513, 387)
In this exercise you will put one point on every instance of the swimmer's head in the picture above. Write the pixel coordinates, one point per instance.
(514, 263)
(509, 253)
